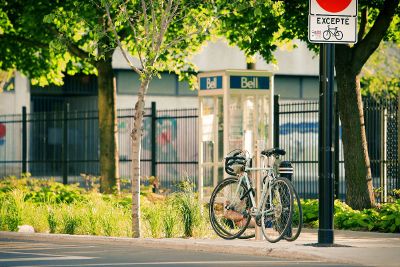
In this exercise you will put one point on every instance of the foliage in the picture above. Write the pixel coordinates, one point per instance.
(310, 210)
(174, 216)
(51, 220)
(42, 191)
(72, 38)
(11, 206)
(169, 220)
(189, 208)
(252, 26)
(385, 218)
(379, 77)
(153, 215)
(70, 221)
(38, 51)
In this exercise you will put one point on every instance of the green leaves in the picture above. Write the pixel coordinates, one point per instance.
(385, 218)
(251, 27)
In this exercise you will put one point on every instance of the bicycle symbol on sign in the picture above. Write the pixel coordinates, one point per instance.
(332, 31)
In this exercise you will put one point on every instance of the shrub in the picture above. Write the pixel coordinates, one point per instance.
(153, 215)
(51, 220)
(11, 208)
(70, 220)
(189, 208)
(390, 217)
(385, 218)
(170, 219)
(310, 210)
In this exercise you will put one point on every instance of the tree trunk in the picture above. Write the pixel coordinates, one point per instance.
(136, 135)
(109, 158)
(359, 189)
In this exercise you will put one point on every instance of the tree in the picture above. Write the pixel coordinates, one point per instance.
(378, 20)
(65, 42)
(375, 25)
(162, 36)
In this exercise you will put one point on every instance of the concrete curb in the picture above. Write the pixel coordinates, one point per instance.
(245, 247)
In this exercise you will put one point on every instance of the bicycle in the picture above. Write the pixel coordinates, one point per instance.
(332, 31)
(232, 206)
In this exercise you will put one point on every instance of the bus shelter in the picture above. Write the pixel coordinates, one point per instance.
(236, 112)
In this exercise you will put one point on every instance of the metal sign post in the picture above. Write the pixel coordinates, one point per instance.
(325, 156)
(329, 22)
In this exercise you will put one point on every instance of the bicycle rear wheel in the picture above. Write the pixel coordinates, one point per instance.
(276, 210)
(229, 209)
(294, 229)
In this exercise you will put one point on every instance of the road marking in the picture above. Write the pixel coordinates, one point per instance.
(42, 257)
(174, 263)
(32, 253)
(45, 248)
(47, 259)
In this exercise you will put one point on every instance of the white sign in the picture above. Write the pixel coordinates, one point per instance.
(332, 21)
(334, 7)
(332, 29)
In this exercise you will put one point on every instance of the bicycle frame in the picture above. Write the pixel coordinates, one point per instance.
(269, 175)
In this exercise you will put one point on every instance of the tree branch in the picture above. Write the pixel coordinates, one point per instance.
(363, 23)
(135, 35)
(24, 40)
(365, 47)
(131, 65)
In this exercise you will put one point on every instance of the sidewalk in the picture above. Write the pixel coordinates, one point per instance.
(365, 248)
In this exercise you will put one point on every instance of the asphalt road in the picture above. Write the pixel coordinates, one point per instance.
(26, 253)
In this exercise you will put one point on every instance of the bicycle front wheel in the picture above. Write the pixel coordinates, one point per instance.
(229, 209)
(276, 210)
(294, 229)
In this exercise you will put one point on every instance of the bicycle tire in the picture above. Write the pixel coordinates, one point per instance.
(275, 220)
(224, 221)
(296, 224)
(339, 35)
(326, 35)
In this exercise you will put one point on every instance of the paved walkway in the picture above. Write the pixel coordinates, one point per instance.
(370, 249)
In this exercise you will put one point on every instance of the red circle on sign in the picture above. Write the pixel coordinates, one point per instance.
(2, 130)
(334, 6)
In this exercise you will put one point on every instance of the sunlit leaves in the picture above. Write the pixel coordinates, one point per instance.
(252, 26)
(380, 76)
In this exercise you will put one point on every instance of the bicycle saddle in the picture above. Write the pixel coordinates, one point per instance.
(273, 152)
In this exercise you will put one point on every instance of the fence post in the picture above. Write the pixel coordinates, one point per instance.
(153, 139)
(336, 145)
(276, 120)
(24, 141)
(383, 156)
(65, 144)
(398, 139)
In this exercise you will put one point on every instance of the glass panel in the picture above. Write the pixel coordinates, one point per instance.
(208, 186)
(263, 117)
(220, 129)
(249, 124)
(235, 123)
(207, 118)
(208, 151)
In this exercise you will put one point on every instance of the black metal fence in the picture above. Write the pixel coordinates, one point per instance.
(65, 144)
(298, 135)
